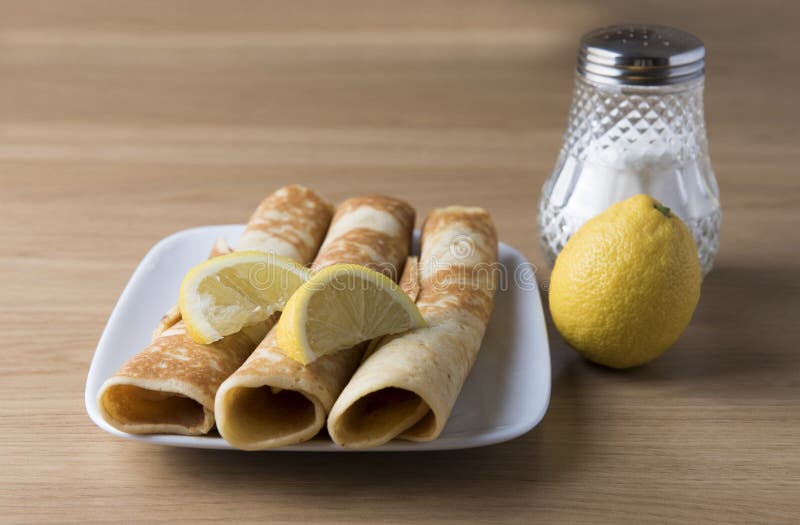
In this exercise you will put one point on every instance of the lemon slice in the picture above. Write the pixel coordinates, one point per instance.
(222, 295)
(341, 306)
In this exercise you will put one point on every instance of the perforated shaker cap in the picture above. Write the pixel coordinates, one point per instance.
(641, 54)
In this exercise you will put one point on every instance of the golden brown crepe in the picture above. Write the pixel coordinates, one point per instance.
(408, 386)
(273, 400)
(170, 386)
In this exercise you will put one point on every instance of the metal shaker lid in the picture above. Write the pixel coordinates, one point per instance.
(641, 54)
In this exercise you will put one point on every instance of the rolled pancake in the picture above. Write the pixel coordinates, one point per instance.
(273, 400)
(409, 384)
(170, 386)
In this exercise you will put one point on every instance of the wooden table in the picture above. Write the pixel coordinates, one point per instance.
(121, 122)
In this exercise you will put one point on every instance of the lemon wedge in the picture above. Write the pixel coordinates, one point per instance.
(220, 296)
(341, 306)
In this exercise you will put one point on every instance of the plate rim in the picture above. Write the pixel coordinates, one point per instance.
(490, 437)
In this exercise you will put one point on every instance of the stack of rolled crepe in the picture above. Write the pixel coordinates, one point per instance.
(273, 400)
(170, 386)
(407, 387)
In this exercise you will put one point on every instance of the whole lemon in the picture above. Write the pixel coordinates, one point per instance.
(625, 286)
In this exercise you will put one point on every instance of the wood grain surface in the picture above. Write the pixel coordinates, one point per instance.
(121, 122)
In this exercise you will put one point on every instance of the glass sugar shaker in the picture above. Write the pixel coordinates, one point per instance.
(636, 125)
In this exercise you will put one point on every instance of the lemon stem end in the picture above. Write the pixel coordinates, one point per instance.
(663, 209)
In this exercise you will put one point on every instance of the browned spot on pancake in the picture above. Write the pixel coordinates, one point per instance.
(304, 210)
(454, 298)
(476, 220)
(402, 211)
(469, 288)
(376, 250)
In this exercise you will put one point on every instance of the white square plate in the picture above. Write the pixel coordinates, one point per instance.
(505, 396)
